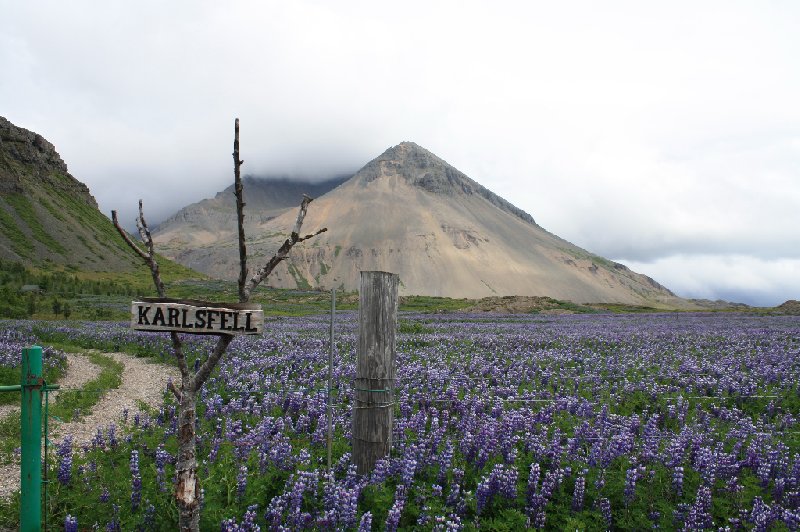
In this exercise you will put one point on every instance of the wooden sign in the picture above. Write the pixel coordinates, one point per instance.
(196, 317)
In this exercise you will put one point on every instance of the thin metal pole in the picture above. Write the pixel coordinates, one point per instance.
(330, 379)
(30, 508)
(46, 481)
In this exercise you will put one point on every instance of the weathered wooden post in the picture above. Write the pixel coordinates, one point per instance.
(373, 409)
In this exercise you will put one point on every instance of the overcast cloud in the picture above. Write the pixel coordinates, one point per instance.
(662, 135)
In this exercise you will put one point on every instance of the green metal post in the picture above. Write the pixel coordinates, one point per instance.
(30, 508)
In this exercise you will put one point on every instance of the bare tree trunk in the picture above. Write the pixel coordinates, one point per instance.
(187, 487)
(238, 192)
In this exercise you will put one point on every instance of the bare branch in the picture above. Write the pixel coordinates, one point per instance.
(171, 387)
(177, 347)
(283, 251)
(149, 257)
(237, 190)
(304, 238)
(126, 238)
(301, 215)
(144, 231)
(205, 369)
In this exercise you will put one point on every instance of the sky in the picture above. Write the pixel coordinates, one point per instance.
(662, 135)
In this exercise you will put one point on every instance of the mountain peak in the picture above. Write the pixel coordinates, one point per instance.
(422, 169)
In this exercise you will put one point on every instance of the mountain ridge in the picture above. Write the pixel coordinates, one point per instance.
(410, 212)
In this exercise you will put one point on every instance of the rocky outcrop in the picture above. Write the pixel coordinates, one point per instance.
(28, 159)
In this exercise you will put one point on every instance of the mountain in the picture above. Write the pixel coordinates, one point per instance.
(47, 217)
(410, 212)
(185, 235)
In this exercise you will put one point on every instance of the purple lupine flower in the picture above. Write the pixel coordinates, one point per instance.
(779, 489)
(149, 521)
(136, 481)
(699, 517)
(112, 436)
(249, 520)
(380, 472)
(98, 440)
(113, 525)
(451, 523)
(65, 460)
(212, 454)
(365, 525)
(605, 511)
(393, 518)
(241, 481)
(454, 492)
(791, 518)
(162, 457)
(578, 494)
(502, 480)
(677, 480)
(760, 515)
(229, 525)
(409, 467)
(70, 524)
(631, 476)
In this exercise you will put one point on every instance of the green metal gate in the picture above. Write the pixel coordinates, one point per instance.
(32, 386)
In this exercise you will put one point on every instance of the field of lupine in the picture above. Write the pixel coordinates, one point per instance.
(671, 421)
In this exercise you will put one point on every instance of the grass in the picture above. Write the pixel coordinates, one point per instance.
(433, 304)
(12, 376)
(69, 404)
(25, 210)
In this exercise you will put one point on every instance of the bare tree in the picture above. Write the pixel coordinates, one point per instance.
(187, 486)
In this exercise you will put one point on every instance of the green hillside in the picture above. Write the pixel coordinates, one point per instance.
(51, 228)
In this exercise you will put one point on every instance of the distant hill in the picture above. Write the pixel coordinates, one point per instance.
(187, 235)
(47, 217)
(410, 212)
(792, 306)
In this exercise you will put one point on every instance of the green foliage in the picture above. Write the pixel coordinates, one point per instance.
(61, 293)
(20, 243)
(26, 211)
(414, 327)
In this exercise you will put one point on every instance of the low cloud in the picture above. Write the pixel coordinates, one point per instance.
(736, 278)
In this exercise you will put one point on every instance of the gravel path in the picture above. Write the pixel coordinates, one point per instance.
(143, 382)
(79, 371)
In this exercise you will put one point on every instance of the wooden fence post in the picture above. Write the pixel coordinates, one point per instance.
(373, 409)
